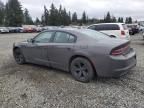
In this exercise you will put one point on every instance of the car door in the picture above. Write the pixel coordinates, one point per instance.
(61, 50)
(37, 50)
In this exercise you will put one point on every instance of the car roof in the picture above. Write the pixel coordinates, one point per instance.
(71, 30)
(74, 31)
(107, 23)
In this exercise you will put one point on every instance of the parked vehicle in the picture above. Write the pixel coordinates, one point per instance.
(118, 30)
(85, 53)
(39, 29)
(134, 28)
(29, 30)
(15, 29)
(141, 28)
(4, 30)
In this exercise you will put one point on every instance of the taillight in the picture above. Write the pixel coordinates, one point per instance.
(122, 32)
(119, 50)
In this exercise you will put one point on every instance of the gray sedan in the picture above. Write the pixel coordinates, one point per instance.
(85, 53)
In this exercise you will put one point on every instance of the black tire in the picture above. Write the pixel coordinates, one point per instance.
(19, 58)
(82, 70)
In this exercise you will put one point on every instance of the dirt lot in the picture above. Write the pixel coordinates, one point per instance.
(32, 86)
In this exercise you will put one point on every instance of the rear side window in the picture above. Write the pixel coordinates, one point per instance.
(62, 37)
(107, 27)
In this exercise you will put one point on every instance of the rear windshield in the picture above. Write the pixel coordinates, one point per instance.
(94, 34)
(107, 27)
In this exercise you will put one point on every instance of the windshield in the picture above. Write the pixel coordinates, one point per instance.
(94, 34)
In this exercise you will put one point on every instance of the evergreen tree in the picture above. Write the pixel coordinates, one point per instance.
(127, 20)
(108, 18)
(14, 13)
(84, 19)
(2, 13)
(46, 16)
(119, 19)
(27, 17)
(60, 18)
(74, 17)
(53, 18)
(69, 14)
(130, 20)
(113, 19)
(65, 17)
(37, 21)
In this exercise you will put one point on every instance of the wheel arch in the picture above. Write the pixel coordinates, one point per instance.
(82, 56)
(16, 47)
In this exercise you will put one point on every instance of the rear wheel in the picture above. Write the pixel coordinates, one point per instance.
(82, 69)
(19, 58)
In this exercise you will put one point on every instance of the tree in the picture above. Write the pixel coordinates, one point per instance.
(108, 18)
(69, 15)
(2, 13)
(53, 17)
(84, 18)
(128, 20)
(37, 21)
(113, 19)
(13, 13)
(120, 19)
(27, 17)
(74, 17)
(45, 16)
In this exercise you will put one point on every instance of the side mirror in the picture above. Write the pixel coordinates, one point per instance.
(30, 40)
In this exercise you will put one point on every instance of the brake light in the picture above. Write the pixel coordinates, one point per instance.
(119, 50)
(122, 32)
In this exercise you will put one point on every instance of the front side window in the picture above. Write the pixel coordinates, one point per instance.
(62, 37)
(43, 37)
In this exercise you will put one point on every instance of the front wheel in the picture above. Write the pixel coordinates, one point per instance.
(19, 58)
(82, 69)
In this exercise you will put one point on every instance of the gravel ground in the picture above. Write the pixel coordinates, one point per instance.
(32, 86)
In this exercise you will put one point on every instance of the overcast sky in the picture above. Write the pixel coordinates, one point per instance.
(94, 8)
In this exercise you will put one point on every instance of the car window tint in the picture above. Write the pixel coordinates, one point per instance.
(43, 37)
(71, 39)
(107, 27)
(61, 37)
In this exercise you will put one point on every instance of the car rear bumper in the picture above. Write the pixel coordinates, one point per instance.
(124, 70)
(119, 65)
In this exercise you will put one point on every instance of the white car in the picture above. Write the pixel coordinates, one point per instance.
(4, 30)
(118, 30)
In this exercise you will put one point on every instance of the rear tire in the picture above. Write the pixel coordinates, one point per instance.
(19, 58)
(82, 70)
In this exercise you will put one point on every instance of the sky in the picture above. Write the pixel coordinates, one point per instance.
(94, 8)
